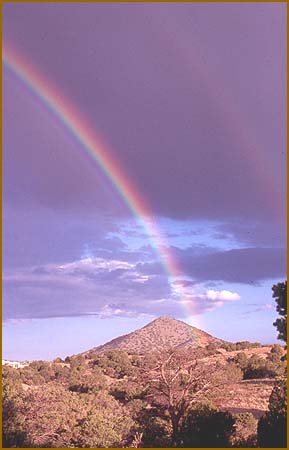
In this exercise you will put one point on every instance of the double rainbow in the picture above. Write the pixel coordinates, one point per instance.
(66, 113)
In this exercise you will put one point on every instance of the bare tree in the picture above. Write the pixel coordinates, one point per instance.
(177, 383)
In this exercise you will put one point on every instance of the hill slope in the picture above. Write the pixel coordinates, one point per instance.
(159, 334)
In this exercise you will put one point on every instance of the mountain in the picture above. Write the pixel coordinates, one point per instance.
(159, 334)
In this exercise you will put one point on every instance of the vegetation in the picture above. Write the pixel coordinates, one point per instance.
(280, 295)
(177, 384)
(272, 427)
(194, 431)
(175, 398)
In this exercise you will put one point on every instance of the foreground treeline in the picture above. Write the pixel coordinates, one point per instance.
(173, 399)
(159, 400)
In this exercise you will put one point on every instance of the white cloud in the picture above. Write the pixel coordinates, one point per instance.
(222, 295)
(90, 264)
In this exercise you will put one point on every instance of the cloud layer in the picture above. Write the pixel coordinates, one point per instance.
(102, 288)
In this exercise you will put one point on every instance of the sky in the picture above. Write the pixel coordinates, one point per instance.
(188, 103)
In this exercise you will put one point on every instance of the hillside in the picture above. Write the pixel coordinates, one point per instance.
(125, 388)
(160, 334)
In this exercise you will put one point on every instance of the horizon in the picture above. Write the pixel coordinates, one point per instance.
(144, 171)
(124, 334)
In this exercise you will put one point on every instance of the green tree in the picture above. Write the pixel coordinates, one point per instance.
(86, 381)
(106, 424)
(232, 372)
(245, 430)
(280, 295)
(114, 363)
(241, 360)
(13, 406)
(31, 376)
(156, 431)
(52, 417)
(44, 369)
(272, 427)
(58, 360)
(206, 427)
(76, 362)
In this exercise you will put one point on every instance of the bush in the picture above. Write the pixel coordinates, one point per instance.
(51, 417)
(245, 430)
(125, 392)
(85, 382)
(106, 424)
(156, 431)
(13, 430)
(207, 427)
(233, 372)
(114, 363)
(259, 368)
(272, 427)
(31, 376)
(44, 369)
(242, 345)
(240, 360)
(211, 348)
(58, 360)
(277, 349)
(77, 362)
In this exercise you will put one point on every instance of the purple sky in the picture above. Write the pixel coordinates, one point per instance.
(191, 100)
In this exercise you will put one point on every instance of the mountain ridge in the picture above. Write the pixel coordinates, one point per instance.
(159, 334)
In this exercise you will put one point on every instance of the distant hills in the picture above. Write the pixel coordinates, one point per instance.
(160, 334)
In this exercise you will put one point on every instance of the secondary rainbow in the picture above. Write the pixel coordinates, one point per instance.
(99, 153)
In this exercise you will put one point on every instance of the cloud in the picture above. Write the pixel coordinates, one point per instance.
(36, 236)
(222, 295)
(186, 124)
(101, 287)
(244, 265)
(260, 308)
(79, 287)
(253, 233)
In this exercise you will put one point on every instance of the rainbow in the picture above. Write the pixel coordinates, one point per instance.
(99, 153)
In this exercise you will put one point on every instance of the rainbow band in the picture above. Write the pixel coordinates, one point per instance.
(75, 124)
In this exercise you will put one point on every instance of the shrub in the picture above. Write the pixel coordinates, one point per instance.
(245, 430)
(130, 390)
(233, 372)
(58, 360)
(13, 431)
(272, 427)
(114, 363)
(31, 376)
(259, 368)
(240, 359)
(156, 431)
(106, 424)
(207, 427)
(85, 382)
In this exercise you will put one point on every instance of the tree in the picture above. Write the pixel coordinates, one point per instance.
(241, 360)
(85, 381)
(272, 427)
(207, 427)
(177, 383)
(245, 430)
(58, 360)
(280, 295)
(106, 424)
(52, 417)
(13, 430)
(114, 363)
